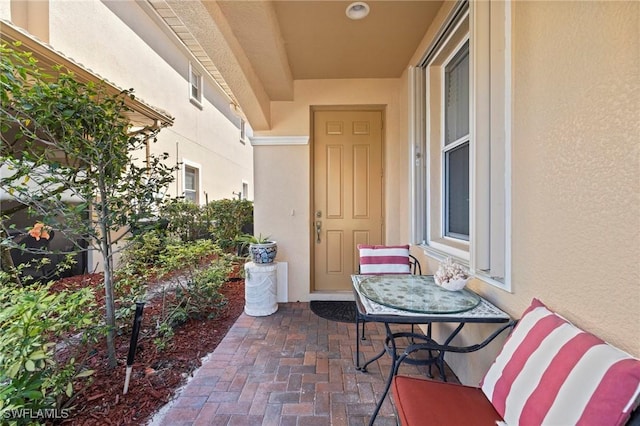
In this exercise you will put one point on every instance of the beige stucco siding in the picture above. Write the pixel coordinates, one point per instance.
(576, 153)
(5, 10)
(131, 50)
(290, 166)
(123, 43)
(575, 165)
(575, 171)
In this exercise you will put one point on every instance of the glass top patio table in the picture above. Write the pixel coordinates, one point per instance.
(417, 299)
(370, 310)
(416, 293)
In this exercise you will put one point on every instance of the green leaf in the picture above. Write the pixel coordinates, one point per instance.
(37, 355)
(13, 370)
(32, 394)
(29, 365)
(69, 389)
(85, 373)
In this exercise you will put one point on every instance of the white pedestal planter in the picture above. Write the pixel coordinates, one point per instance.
(260, 289)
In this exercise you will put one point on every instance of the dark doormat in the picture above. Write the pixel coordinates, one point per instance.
(342, 311)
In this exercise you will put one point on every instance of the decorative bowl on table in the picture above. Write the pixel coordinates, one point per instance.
(452, 284)
(451, 276)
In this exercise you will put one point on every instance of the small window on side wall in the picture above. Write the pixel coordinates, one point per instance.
(195, 86)
(243, 132)
(191, 185)
(245, 190)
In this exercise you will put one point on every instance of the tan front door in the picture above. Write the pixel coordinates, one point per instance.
(347, 185)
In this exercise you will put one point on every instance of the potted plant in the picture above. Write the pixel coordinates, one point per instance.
(261, 249)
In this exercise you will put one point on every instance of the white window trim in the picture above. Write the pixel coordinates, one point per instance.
(243, 132)
(198, 167)
(496, 130)
(492, 134)
(245, 194)
(448, 241)
(436, 238)
(197, 101)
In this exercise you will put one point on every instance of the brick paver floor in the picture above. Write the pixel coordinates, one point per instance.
(288, 368)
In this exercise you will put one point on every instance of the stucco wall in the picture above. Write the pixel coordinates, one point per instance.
(283, 172)
(576, 152)
(5, 10)
(575, 172)
(130, 50)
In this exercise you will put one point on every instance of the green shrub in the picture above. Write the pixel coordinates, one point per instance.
(229, 216)
(138, 266)
(42, 338)
(186, 220)
(193, 292)
(220, 220)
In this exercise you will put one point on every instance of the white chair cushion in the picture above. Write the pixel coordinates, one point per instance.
(384, 259)
(551, 372)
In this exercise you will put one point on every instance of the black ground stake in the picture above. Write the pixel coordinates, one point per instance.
(137, 320)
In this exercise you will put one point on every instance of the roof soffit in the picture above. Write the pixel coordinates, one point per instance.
(210, 29)
(141, 114)
(255, 26)
(260, 47)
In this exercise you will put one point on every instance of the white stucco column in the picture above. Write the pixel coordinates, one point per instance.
(260, 289)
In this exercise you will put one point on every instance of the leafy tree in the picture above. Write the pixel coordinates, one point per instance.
(62, 138)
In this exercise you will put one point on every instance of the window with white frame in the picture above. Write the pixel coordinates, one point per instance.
(460, 110)
(191, 182)
(195, 86)
(455, 147)
(245, 190)
(243, 131)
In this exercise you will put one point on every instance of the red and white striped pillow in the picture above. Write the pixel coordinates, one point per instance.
(384, 259)
(551, 372)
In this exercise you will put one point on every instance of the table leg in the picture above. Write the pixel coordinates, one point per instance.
(392, 371)
(390, 339)
(396, 360)
(440, 360)
(375, 358)
(357, 342)
(357, 355)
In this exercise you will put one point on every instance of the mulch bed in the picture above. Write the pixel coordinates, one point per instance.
(156, 374)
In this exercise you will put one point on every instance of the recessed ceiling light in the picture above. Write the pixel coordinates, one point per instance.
(357, 10)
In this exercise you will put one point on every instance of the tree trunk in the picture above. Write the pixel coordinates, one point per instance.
(107, 257)
(110, 318)
(6, 262)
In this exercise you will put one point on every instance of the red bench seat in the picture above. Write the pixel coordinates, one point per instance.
(420, 402)
(549, 372)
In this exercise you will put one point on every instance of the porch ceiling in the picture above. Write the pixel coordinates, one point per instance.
(260, 47)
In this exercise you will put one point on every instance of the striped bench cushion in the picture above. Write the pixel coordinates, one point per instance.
(551, 372)
(384, 259)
